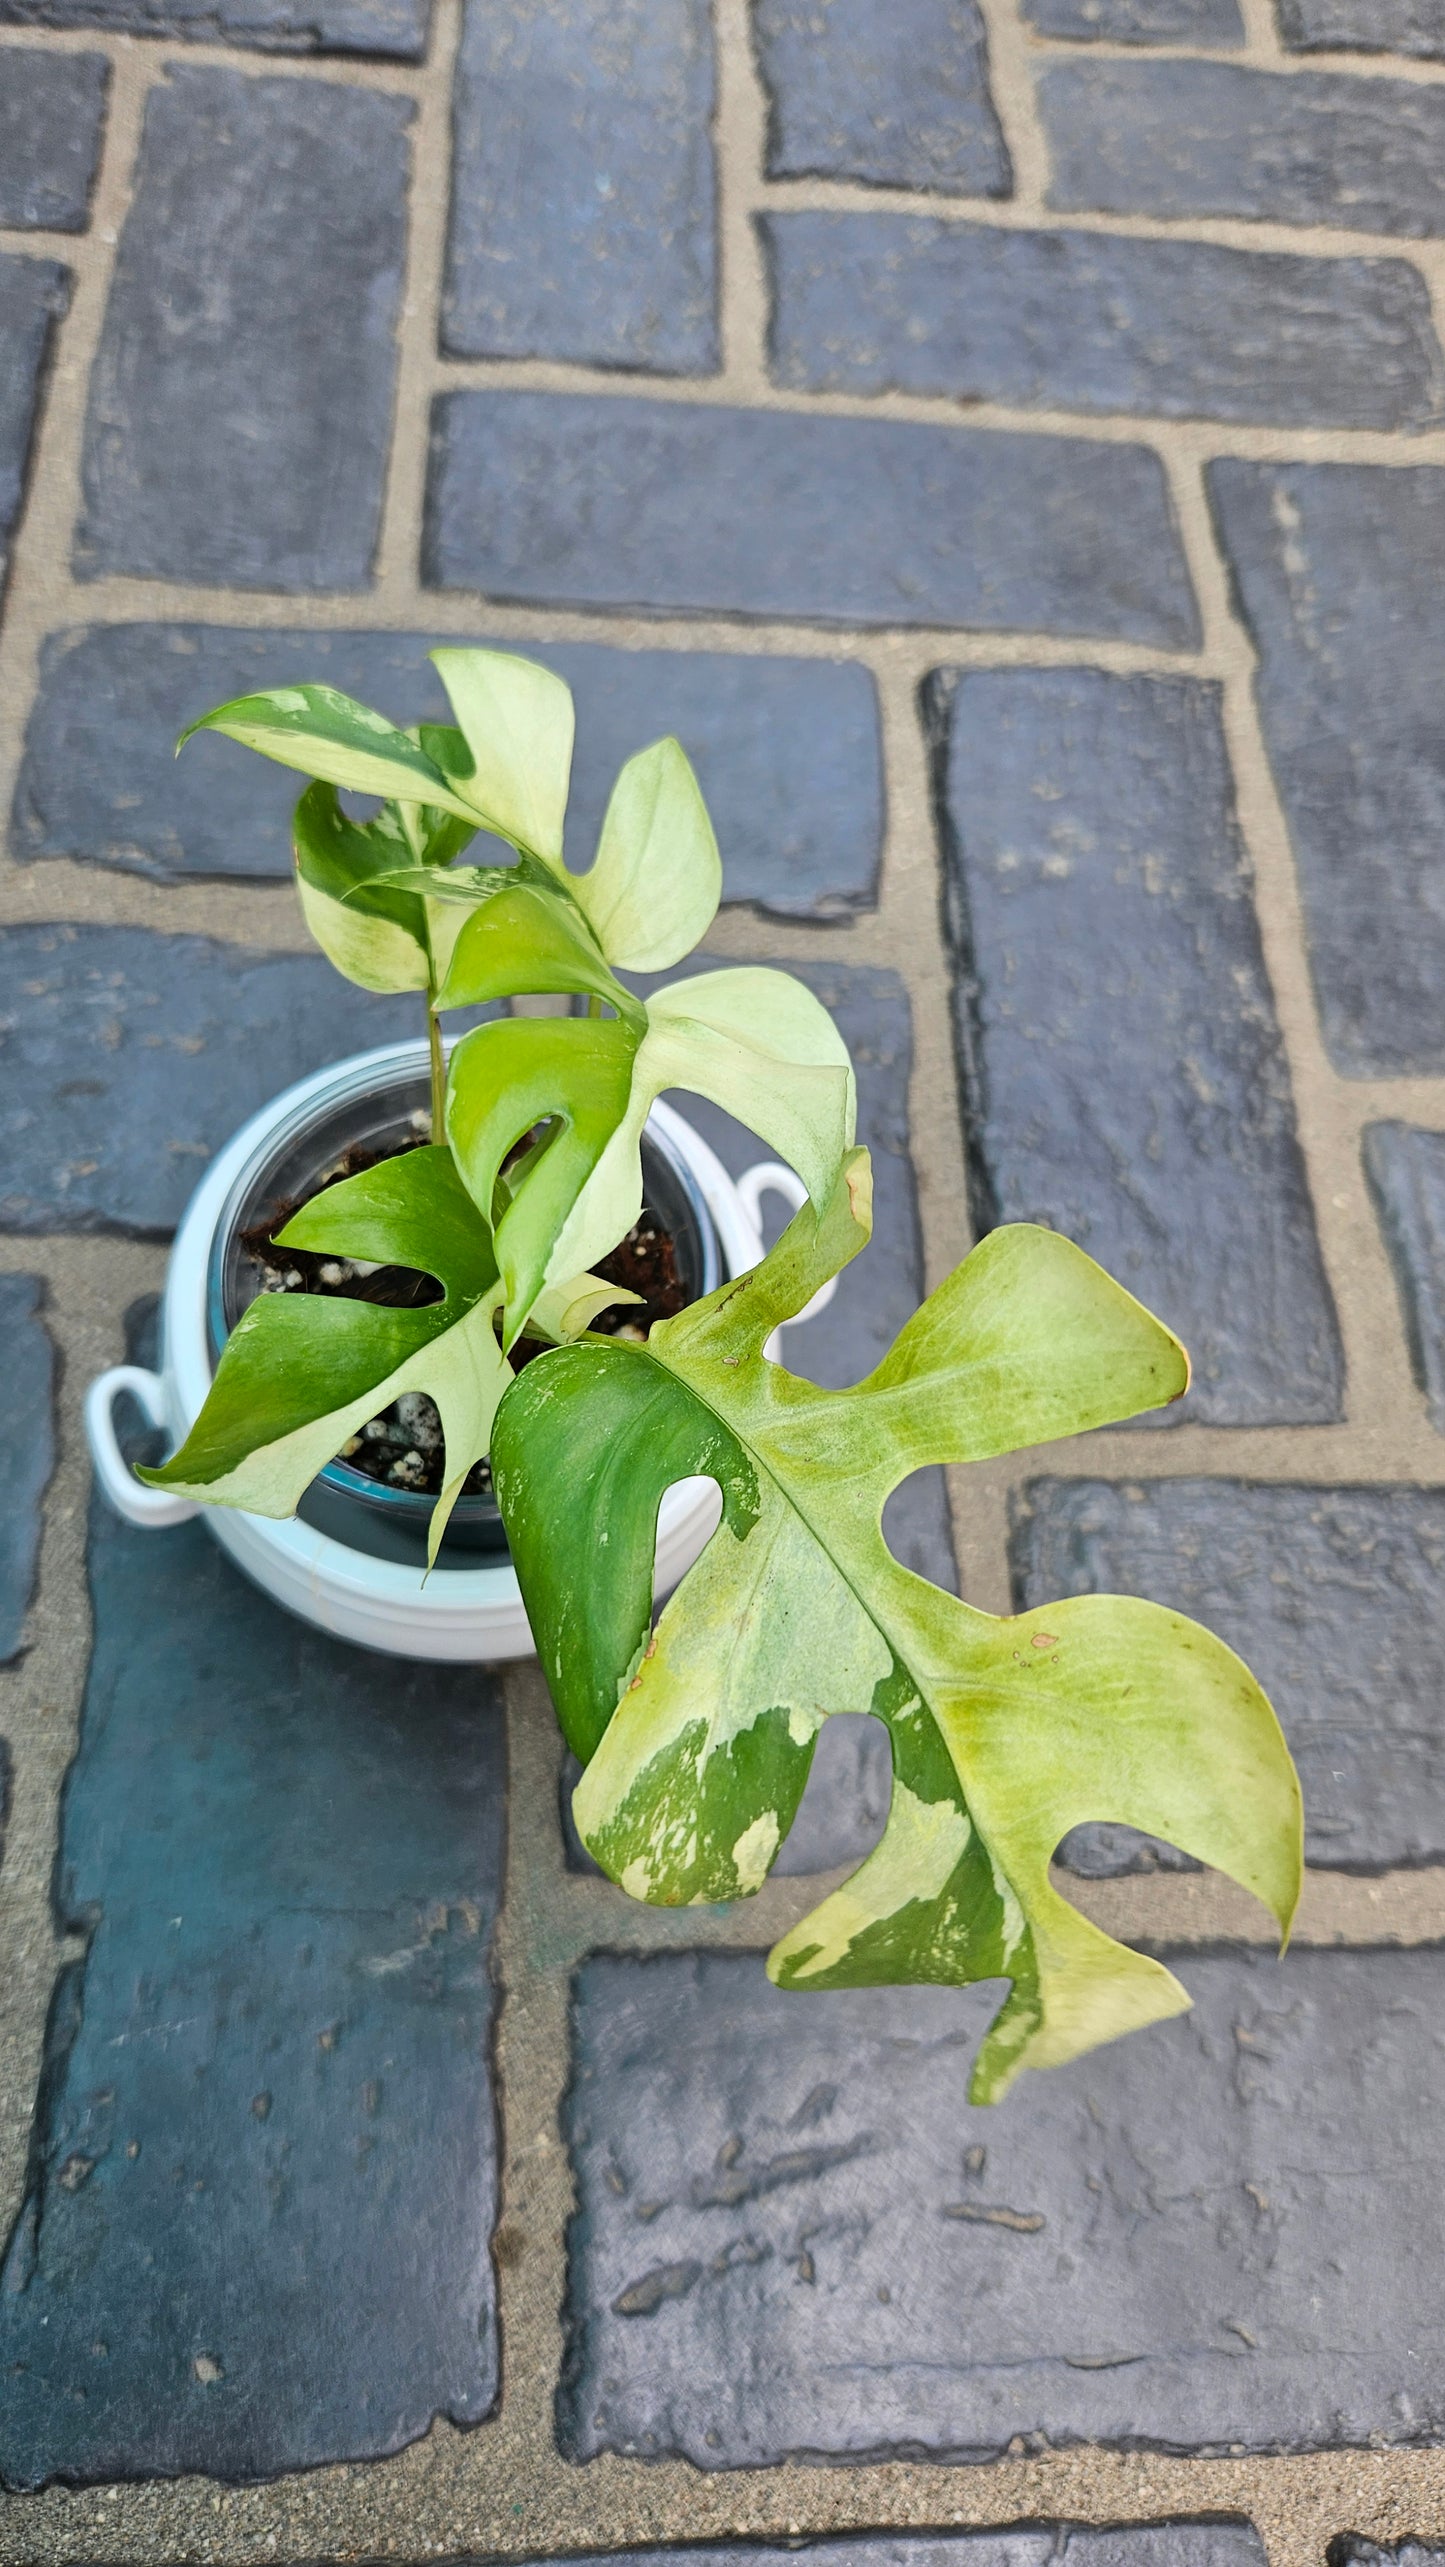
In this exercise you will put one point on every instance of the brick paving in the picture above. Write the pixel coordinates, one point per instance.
(1006, 440)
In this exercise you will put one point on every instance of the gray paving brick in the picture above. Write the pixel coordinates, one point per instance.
(788, 751)
(395, 29)
(4, 1795)
(1350, 2550)
(1336, 1599)
(27, 1454)
(584, 218)
(240, 405)
(1338, 571)
(1363, 26)
(1085, 321)
(1211, 2237)
(34, 293)
(1406, 1172)
(1140, 22)
(256, 2227)
(665, 506)
(52, 111)
(129, 1057)
(889, 91)
(1164, 2544)
(1124, 1076)
(1216, 138)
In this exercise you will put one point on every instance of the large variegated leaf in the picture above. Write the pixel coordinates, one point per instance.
(755, 1042)
(301, 1372)
(1004, 1733)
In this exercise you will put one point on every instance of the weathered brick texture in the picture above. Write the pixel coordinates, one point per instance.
(241, 399)
(1124, 1079)
(910, 2275)
(1334, 1596)
(893, 92)
(34, 293)
(1140, 22)
(1088, 321)
(52, 113)
(1338, 571)
(583, 198)
(27, 1454)
(131, 1057)
(256, 2226)
(1216, 138)
(670, 507)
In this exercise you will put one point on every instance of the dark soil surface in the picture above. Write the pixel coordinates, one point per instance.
(403, 1447)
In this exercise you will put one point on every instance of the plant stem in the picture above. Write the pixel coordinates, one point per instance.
(438, 1074)
(594, 1006)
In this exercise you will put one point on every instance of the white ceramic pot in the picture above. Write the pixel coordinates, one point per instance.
(473, 1613)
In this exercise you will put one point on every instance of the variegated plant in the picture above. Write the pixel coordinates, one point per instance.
(697, 1736)
(510, 1235)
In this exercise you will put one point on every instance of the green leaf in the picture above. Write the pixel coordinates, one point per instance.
(328, 735)
(753, 1041)
(517, 722)
(377, 913)
(374, 934)
(756, 1042)
(301, 1372)
(529, 939)
(504, 1079)
(1004, 1732)
(654, 889)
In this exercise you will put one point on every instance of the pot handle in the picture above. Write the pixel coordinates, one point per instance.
(128, 1495)
(769, 1176)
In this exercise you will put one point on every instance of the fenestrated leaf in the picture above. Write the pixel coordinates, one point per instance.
(505, 1078)
(517, 722)
(653, 891)
(301, 1372)
(755, 1041)
(1004, 1733)
(326, 734)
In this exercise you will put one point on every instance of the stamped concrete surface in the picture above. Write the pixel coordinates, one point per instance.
(219, 446)
(673, 506)
(1114, 1015)
(33, 296)
(257, 2216)
(1197, 2239)
(27, 1448)
(52, 114)
(1004, 441)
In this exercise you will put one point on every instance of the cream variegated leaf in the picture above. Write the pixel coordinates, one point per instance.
(697, 1736)
(652, 893)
